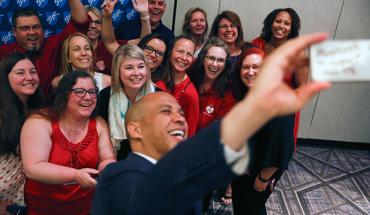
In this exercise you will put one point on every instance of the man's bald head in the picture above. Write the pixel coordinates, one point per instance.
(155, 124)
(138, 110)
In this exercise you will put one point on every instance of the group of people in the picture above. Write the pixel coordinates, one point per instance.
(73, 104)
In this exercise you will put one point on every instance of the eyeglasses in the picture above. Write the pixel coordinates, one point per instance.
(224, 27)
(150, 50)
(96, 22)
(212, 59)
(80, 92)
(26, 28)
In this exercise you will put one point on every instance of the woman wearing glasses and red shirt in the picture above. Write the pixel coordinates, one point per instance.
(64, 149)
(209, 74)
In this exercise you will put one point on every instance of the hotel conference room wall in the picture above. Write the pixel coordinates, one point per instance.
(341, 113)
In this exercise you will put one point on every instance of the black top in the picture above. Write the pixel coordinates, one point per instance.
(272, 145)
(131, 29)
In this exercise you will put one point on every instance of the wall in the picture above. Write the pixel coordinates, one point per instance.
(341, 113)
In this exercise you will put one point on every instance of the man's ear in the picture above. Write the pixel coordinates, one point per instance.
(13, 31)
(133, 130)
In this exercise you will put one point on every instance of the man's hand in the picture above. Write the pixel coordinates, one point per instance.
(272, 94)
(141, 6)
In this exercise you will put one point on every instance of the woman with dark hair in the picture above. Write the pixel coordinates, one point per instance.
(176, 82)
(271, 148)
(210, 74)
(19, 94)
(279, 26)
(155, 50)
(228, 27)
(196, 26)
(64, 149)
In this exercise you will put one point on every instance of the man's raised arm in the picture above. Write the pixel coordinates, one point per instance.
(270, 96)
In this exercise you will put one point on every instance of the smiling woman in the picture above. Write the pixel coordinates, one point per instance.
(130, 81)
(19, 94)
(279, 26)
(210, 75)
(77, 54)
(176, 81)
(64, 148)
(196, 26)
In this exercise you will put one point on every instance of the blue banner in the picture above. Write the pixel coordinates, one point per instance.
(55, 14)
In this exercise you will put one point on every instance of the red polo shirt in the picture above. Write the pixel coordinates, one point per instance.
(213, 107)
(187, 96)
(47, 58)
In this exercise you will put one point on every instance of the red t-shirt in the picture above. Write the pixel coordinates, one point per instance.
(47, 58)
(187, 96)
(213, 107)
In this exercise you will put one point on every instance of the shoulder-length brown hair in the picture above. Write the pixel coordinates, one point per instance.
(233, 18)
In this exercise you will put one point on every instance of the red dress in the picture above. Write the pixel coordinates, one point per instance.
(187, 96)
(260, 43)
(65, 199)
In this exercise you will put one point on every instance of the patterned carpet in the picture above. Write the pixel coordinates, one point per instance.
(322, 179)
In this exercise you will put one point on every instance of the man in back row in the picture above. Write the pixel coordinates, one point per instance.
(45, 53)
(163, 177)
(156, 11)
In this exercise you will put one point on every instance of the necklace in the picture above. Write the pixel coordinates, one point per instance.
(72, 141)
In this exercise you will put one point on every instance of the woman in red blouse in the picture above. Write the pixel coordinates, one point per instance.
(64, 149)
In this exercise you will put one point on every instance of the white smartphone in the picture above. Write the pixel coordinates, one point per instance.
(340, 61)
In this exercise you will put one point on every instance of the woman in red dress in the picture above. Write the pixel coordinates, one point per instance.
(64, 149)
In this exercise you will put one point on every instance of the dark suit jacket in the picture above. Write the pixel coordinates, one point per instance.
(131, 29)
(172, 186)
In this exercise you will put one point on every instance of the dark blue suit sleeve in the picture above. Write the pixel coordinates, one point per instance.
(183, 176)
(172, 186)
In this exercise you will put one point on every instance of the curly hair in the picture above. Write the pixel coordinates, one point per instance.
(266, 33)
(196, 72)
